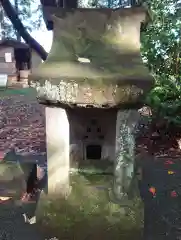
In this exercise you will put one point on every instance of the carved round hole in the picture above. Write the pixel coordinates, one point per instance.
(98, 129)
(88, 129)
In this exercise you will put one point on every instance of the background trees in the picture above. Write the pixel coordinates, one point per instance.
(161, 50)
(29, 12)
(18, 18)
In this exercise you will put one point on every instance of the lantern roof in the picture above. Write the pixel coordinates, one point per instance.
(52, 8)
(95, 59)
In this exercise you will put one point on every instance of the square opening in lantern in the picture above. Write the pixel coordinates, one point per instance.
(93, 152)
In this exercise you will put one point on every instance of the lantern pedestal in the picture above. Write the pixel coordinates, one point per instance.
(124, 154)
(57, 140)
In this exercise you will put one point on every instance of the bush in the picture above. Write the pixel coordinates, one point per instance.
(165, 101)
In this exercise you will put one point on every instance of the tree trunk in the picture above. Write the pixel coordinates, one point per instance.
(2, 25)
(17, 24)
(18, 37)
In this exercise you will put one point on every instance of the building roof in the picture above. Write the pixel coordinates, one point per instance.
(10, 42)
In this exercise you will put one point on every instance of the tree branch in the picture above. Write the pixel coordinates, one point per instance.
(17, 24)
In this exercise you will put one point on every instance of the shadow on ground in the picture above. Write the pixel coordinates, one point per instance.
(17, 219)
(163, 205)
(12, 222)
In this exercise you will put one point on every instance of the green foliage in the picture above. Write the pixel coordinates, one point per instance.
(161, 46)
(30, 14)
(161, 52)
(165, 100)
(107, 3)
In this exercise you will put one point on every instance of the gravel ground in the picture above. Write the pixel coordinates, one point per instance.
(163, 202)
(22, 125)
(13, 225)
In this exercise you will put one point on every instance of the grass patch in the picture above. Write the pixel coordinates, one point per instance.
(13, 92)
(88, 213)
(103, 166)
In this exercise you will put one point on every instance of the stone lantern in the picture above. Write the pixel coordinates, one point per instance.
(94, 74)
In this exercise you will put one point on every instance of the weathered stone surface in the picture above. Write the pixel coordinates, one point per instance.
(12, 180)
(125, 155)
(57, 141)
(95, 59)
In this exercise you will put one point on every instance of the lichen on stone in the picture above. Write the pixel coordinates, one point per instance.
(62, 92)
(125, 145)
(109, 39)
(73, 93)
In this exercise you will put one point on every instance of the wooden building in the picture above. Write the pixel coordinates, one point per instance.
(17, 60)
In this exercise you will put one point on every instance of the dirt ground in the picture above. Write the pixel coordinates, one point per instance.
(13, 225)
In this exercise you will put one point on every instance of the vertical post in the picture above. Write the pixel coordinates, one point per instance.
(57, 142)
(125, 146)
(16, 3)
(2, 23)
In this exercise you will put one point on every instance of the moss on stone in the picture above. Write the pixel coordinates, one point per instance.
(89, 213)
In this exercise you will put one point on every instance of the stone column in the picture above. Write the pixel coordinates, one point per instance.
(124, 160)
(57, 142)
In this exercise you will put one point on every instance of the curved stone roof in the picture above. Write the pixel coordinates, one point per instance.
(113, 74)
